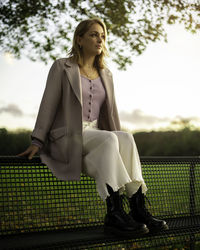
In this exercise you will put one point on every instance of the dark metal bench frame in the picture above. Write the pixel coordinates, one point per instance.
(38, 211)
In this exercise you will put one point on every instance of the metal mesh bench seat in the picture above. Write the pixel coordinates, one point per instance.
(38, 211)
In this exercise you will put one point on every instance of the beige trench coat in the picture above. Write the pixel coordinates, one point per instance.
(59, 120)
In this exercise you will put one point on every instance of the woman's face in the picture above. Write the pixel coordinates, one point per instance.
(93, 40)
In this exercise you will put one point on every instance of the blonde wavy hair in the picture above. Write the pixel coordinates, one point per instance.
(76, 52)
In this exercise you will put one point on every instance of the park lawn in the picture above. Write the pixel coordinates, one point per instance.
(31, 197)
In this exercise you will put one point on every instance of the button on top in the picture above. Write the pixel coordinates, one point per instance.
(93, 95)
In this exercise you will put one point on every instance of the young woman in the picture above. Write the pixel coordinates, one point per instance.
(78, 130)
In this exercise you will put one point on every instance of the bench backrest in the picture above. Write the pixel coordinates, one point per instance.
(33, 200)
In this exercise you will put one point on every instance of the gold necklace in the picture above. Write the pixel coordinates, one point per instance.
(92, 75)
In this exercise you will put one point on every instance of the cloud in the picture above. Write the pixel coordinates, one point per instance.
(12, 109)
(138, 117)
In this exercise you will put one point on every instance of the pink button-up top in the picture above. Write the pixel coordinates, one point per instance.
(93, 95)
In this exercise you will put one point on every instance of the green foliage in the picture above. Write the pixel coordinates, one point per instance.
(12, 143)
(43, 29)
(185, 142)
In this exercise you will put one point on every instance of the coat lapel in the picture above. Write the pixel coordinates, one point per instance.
(73, 74)
(108, 84)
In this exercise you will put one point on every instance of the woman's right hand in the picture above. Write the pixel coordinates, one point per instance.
(30, 151)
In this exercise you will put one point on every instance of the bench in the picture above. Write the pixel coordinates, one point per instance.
(38, 211)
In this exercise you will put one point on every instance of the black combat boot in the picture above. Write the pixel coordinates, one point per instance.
(117, 221)
(140, 213)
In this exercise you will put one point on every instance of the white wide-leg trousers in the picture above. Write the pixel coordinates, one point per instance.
(111, 157)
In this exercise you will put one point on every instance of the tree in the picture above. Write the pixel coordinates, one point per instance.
(42, 29)
(13, 142)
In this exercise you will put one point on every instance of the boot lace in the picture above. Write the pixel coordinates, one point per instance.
(145, 210)
(126, 205)
(125, 202)
(125, 208)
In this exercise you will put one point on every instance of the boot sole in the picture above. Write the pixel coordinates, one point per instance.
(120, 233)
(163, 228)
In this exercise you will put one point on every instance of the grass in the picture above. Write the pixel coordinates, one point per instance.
(31, 199)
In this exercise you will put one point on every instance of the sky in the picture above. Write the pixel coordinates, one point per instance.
(162, 85)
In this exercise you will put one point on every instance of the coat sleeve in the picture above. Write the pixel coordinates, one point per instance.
(49, 103)
(116, 115)
(109, 117)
